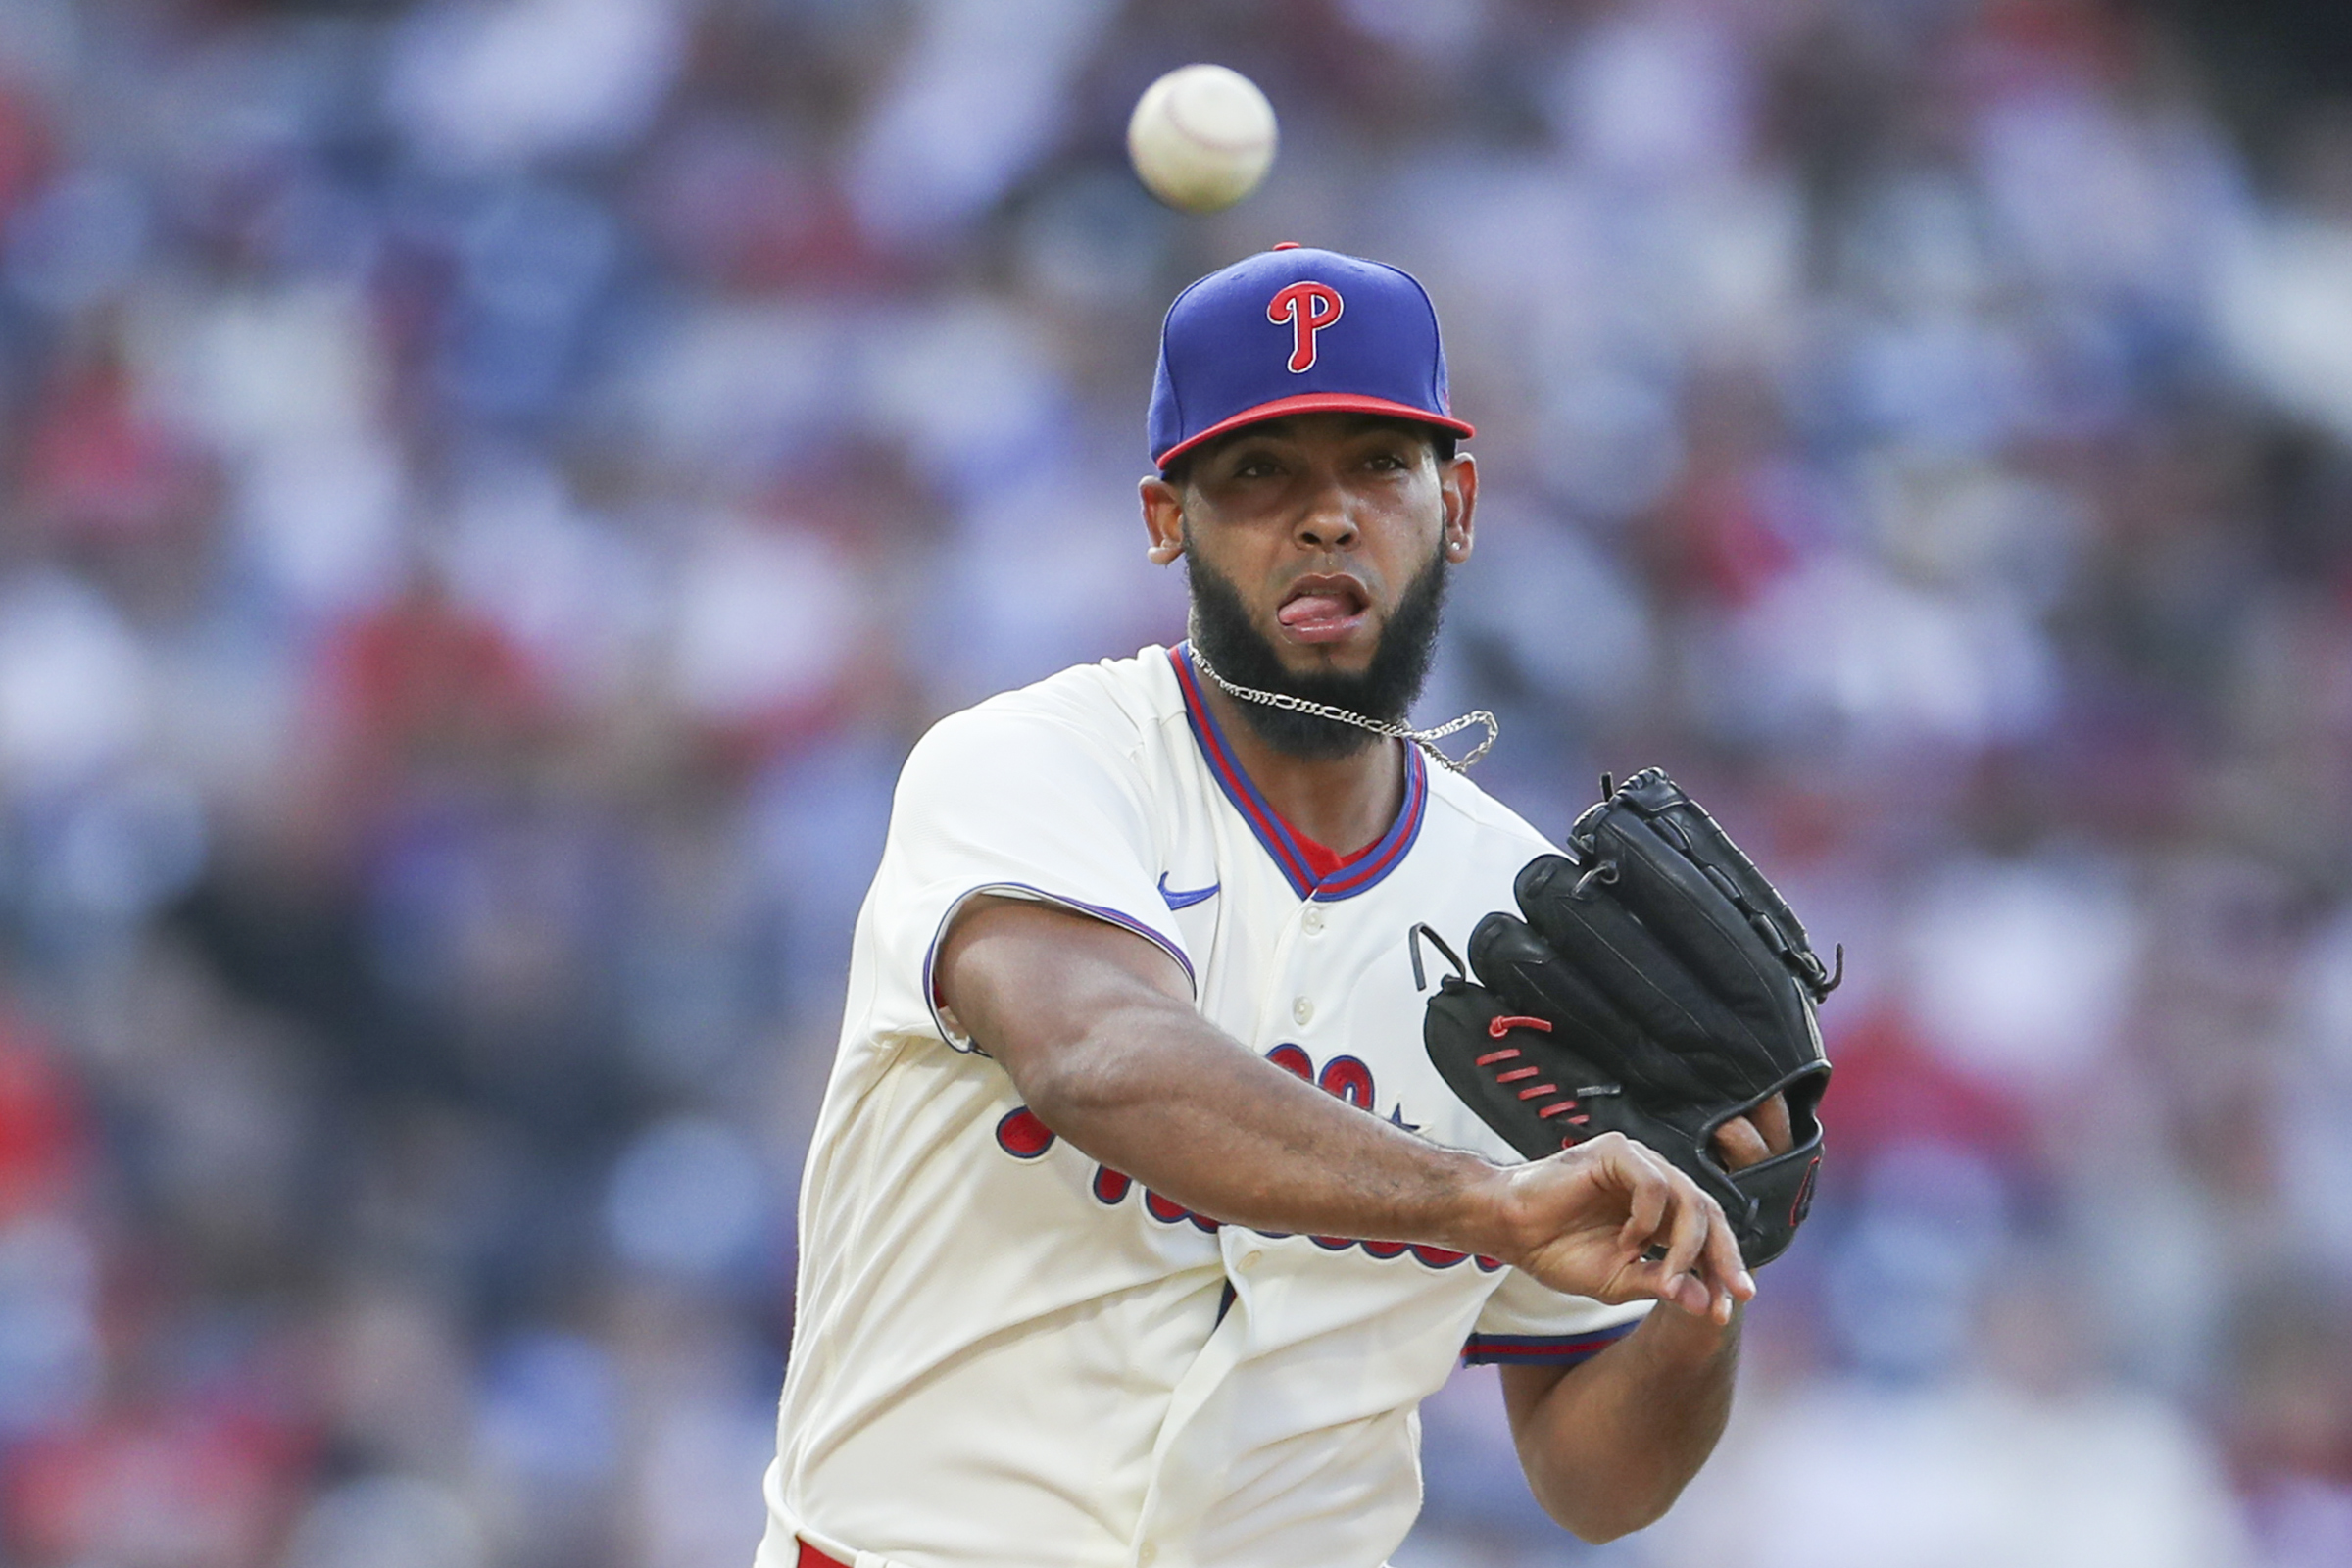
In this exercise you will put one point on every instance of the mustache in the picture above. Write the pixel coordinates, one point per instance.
(1385, 689)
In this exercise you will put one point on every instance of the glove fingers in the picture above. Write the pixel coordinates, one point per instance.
(1690, 1045)
(1688, 914)
(1684, 825)
(1514, 961)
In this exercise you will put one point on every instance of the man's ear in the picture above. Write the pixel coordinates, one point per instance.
(1457, 488)
(1163, 520)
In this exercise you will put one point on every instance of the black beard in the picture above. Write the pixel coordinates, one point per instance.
(1221, 631)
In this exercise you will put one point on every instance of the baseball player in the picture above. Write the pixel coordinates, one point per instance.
(1138, 1220)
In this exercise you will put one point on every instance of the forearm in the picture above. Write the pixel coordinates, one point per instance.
(1098, 1032)
(1159, 1094)
(1610, 1444)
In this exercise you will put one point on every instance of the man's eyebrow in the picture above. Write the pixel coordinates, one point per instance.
(1247, 441)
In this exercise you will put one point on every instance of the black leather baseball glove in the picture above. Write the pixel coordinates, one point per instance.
(1657, 987)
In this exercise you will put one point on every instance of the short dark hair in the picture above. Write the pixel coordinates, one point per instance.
(1442, 445)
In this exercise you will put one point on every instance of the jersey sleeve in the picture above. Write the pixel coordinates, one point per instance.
(1527, 1322)
(1018, 805)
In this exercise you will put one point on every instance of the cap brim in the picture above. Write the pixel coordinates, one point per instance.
(1316, 403)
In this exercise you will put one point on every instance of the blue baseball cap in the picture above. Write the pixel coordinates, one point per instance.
(1297, 330)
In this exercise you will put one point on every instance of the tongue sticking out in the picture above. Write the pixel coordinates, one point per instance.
(1310, 610)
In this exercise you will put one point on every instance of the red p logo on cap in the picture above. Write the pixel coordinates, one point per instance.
(1222, 365)
(1309, 307)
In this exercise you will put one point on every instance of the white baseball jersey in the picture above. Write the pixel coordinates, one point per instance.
(1005, 1354)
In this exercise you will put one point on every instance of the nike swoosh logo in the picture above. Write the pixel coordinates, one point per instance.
(1185, 898)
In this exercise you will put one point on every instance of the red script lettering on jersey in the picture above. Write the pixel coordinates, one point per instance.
(1020, 1134)
(1309, 307)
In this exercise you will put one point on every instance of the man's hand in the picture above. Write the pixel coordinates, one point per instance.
(1617, 1222)
(1609, 1444)
(1744, 1141)
(1614, 1221)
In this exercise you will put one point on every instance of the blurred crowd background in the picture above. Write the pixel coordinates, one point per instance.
(490, 490)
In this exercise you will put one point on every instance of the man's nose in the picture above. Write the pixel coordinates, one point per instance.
(1328, 523)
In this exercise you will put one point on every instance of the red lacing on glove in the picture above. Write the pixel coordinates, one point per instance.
(1503, 1025)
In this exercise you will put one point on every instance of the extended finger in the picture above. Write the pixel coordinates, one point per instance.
(1690, 1218)
(1699, 1268)
(1646, 1191)
(1727, 1273)
(1687, 1241)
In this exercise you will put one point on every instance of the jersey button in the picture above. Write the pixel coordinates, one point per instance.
(1313, 920)
(1148, 1554)
(1301, 1011)
(1249, 1261)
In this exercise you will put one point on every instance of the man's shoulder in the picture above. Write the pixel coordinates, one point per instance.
(1113, 708)
(1112, 692)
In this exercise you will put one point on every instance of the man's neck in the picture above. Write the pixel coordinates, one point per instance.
(1343, 802)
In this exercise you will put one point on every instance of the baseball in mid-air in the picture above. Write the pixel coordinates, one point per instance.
(1201, 137)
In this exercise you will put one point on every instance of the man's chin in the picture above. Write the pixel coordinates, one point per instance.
(1373, 665)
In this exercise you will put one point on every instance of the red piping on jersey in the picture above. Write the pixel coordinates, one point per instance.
(1552, 1348)
(1283, 842)
(1127, 923)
